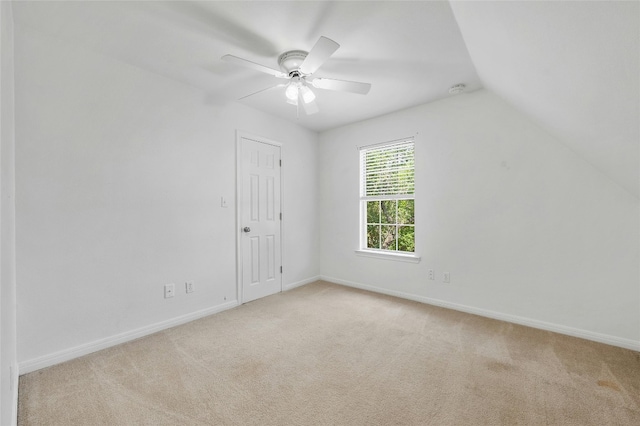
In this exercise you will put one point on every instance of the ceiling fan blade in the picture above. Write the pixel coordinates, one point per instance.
(245, 63)
(263, 90)
(309, 107)
(341, 85)
(320, 52)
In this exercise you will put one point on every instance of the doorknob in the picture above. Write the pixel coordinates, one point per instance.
(247, 229)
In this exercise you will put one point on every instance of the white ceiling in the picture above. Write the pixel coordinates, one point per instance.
(411, 52)
(572, 67)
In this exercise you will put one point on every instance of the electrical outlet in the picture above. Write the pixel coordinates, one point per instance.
(446, 277)
(432, 274)
(189, 286)
(169, 290)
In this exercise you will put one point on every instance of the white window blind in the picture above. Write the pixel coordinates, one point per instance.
(387, 170)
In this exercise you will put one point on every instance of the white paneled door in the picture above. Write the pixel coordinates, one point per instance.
(260, 219)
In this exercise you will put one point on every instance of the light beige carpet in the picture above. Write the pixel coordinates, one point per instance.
(329, 355)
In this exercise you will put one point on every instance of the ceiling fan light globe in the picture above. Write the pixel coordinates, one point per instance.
(307, 95)
(291, 92)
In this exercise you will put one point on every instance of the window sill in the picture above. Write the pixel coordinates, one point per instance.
(399, 257)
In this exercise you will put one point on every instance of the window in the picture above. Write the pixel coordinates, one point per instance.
(387, 197)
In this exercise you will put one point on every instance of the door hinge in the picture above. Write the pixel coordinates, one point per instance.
(281, 269)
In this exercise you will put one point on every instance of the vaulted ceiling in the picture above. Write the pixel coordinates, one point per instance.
(572, 67)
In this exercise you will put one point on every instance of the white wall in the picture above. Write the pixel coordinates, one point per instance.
(119, 175)
(8, 363)
(529, 231)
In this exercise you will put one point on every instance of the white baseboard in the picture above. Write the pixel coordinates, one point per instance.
(300, 283)
(87, 348)
(529, 322)
(15, 383)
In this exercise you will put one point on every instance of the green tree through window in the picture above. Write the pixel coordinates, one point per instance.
(387, 197)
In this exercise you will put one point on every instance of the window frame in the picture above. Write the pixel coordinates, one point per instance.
(363, 249)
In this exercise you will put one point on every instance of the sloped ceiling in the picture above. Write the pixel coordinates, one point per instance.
(573, 67)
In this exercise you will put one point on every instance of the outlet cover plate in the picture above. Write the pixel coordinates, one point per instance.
(169, 290)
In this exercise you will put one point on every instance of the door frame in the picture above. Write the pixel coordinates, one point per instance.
(240, 134)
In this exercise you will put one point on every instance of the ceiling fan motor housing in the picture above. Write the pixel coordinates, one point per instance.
(290, 61)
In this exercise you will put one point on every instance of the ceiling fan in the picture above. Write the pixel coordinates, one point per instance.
(298, 66)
